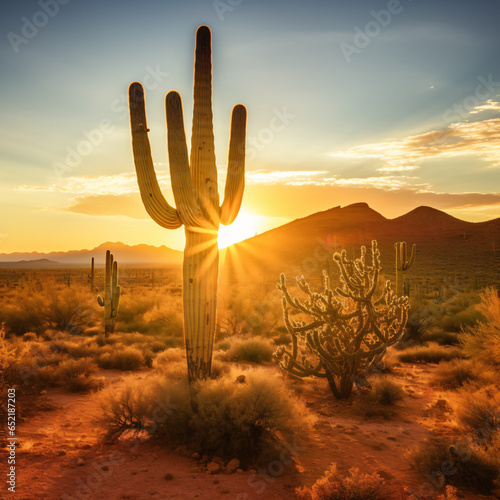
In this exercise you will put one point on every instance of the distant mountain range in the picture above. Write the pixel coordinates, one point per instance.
(447, 248)
(124, 254)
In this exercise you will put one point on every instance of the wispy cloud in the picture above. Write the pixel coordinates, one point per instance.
(481, 138)
(489, 105)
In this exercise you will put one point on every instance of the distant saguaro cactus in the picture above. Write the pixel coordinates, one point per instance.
(111, 294)
(194, 184)
(402, 265)
(91, 276)
(347, 329)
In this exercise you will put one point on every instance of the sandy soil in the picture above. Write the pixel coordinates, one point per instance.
(62, 456)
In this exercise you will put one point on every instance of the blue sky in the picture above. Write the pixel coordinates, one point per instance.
(392, 103)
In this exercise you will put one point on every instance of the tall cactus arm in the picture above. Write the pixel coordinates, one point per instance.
(203, 167)
(154, 202)
(235, 180)
(182, 182)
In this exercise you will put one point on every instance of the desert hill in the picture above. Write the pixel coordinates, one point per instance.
(448, 249)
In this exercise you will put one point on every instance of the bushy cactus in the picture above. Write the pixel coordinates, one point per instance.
(403, 263)
(111, 297)
(348, 328)
(194, 184)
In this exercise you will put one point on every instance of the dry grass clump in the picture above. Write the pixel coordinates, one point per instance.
(253, 350)
(478, 411)
(457, 464)
(78, 375)
(35, 309)
(432, 353)
(151, 311)
(128, 358)
(459, 372)
(336, 486)
(387, 391)
(218, 417)
(482, 340)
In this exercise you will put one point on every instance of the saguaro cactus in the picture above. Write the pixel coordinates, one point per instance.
(91, 276)
(402, 265)
(111, 294)
(194, 183)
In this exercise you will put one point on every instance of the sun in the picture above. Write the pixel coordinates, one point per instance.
(245, 226)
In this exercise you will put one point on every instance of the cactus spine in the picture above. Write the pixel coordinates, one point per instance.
(194, 183)
(402, 265)
(91, 276)
(111, 294)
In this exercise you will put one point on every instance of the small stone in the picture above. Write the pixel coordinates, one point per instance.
(216, 481)
(213, 467)
(218, 460)
(168, 476)
(195, 456)
(85, 447)
(232, 465)
(239, 471)
(43, 392)
(241, 379)
(144, 470)
(205, 458)
(80, 461)
(61, 453)
(385, 475)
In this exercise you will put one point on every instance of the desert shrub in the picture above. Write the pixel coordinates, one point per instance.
(336, 486)
(458, 372)
(221, 417)
(440, 336)
(456, 463)
(432, 353)
(51, 306)
(76, 374)
(387, 391)
(129, 358)
(151, 311)
(219, 369)
(420, 318)
(29, 336)
(169, 356)
(478, 411)
(223, 345)
(458, 311)
(482, 341)
(254, 350)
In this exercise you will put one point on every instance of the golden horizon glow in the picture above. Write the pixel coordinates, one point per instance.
(245, 226)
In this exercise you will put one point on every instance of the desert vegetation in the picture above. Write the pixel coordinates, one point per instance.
(136, 380)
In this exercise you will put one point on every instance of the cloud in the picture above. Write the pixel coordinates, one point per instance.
(489, 105)
(481, 138)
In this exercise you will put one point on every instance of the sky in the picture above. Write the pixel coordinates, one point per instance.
(393, 103)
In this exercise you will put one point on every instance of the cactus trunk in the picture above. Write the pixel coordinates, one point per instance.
(200, 278)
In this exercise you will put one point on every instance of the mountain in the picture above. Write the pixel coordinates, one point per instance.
(38, 263)
(447, 248)
(123, 254)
